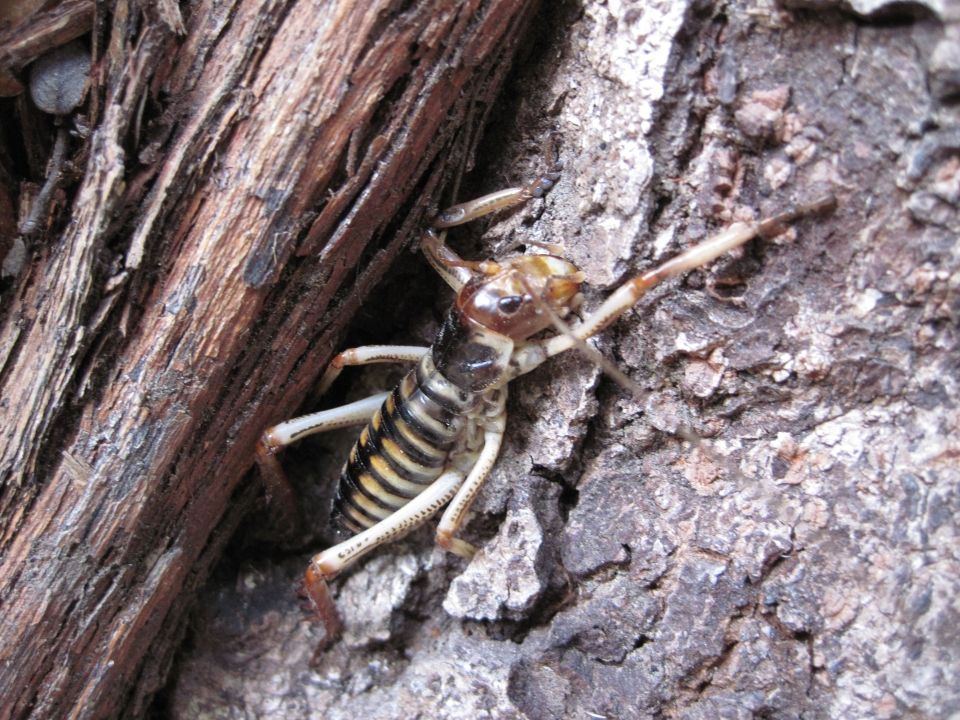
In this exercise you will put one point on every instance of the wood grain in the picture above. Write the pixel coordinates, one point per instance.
(247, 183)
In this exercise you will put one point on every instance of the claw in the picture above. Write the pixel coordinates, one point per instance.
(317, 591)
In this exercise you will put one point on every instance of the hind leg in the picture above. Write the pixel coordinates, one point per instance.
(328, 564)
(280, 493)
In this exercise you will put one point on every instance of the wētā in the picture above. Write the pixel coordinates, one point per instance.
(433, 440)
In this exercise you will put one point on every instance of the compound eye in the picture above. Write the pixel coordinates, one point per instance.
(510, 304)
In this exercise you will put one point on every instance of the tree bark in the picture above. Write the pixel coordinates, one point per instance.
(251, 172)
(803, 562)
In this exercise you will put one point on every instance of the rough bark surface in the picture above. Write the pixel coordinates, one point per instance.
(802, 563)
(251, 170)
(806, 564)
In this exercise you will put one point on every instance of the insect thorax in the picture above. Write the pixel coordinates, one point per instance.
(471, 357)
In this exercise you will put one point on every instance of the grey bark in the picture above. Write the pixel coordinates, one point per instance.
(803, 561)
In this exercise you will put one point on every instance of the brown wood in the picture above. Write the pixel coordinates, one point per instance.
(246, 185)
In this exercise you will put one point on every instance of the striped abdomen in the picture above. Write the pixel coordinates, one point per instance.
(404, 448)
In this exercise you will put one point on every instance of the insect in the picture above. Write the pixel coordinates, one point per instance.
(432, 441)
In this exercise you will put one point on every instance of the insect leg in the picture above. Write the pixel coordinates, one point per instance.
(454, 270)
(450, 266)
(456, 511)
(355, 413)
(502, 199)
(631, 291)
(280, 493)
(368, 355)
(326, 565)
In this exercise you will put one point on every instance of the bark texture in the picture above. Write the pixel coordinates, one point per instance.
(251, 169)
(803, 563)
(806, 565)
